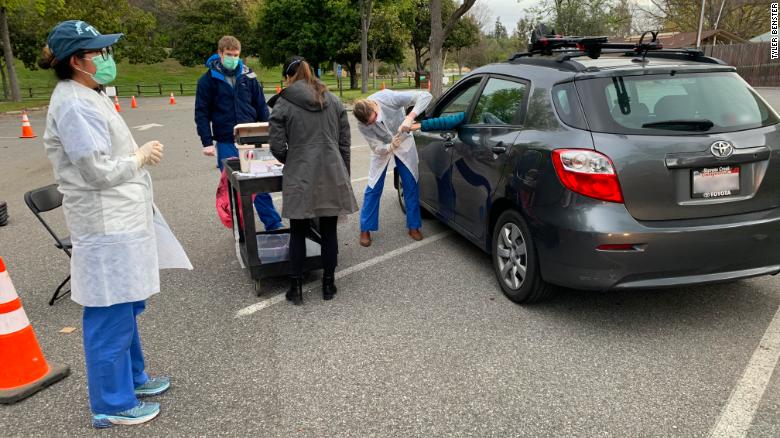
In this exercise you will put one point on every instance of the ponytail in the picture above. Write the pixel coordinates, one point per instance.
(297, 69)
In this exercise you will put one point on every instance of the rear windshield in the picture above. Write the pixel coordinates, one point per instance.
(680, 104)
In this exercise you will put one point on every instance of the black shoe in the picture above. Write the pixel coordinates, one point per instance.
(328, 287)
(295, 293)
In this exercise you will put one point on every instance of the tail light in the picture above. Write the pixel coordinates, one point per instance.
(588, 173)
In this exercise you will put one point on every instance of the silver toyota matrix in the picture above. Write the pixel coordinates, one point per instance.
(597, 165)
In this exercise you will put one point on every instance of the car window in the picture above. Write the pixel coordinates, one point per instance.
(461, 102)
(647, 104)
(501, 103)
(568, 106)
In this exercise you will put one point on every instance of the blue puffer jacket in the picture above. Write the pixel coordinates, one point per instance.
(220, 106)
(443, 123)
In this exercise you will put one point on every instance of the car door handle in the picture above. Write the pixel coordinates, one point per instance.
(499, 148)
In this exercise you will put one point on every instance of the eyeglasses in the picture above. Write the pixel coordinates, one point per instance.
(105, 53)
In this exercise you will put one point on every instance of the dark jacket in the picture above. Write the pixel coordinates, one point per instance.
(219, 106)
(313, 142)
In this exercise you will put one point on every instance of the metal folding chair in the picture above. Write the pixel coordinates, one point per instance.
(40, 201)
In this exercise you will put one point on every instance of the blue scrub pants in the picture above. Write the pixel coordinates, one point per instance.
(369, 214)
(115, 362)
(263, 202)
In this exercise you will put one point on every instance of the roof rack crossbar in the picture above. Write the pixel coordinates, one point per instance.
(545, 43)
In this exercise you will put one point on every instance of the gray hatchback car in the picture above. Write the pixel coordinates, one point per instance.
(642, 168)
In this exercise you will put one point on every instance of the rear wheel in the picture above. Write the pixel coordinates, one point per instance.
(515, 262)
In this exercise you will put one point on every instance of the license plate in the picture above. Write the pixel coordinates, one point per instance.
(715, 182)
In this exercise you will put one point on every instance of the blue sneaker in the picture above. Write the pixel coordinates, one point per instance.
(140, 414)
(153, 386)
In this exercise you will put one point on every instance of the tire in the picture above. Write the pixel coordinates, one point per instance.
(401, 201)
(512, 245)
(425, 214)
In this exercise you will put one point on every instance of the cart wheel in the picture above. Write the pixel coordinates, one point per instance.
(258, 290)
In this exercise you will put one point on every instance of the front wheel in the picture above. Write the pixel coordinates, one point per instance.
(425, 214)
(515, 262)
(401, 200)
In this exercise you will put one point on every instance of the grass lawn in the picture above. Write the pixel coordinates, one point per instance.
(169, 77)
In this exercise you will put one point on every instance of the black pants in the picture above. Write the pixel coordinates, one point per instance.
(330, 244)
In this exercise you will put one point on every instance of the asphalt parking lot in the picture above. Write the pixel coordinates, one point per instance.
(419, 340)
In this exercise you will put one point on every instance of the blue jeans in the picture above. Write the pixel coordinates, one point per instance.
(115, 362)
(263, 202)
(369, 214)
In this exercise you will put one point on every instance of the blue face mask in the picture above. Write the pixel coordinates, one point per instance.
(230, 62)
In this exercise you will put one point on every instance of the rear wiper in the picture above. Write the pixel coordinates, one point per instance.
(682, 125)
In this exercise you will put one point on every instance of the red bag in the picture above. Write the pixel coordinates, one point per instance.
(223, 203)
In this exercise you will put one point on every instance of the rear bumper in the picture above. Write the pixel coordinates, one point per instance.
(667, 253)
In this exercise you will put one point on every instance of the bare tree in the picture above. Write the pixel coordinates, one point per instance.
(740, 17)
(8, 53)
(439, 33)
(365, 25)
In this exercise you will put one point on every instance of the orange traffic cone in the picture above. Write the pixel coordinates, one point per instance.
(173, 100)
(23, 369)
(116, 104)
(383, 85)
(278, 89)
(27, 131)
(133, 103)
(429, 85)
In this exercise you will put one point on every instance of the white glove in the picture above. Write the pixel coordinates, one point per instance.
(149, 154)
(406, 126)
(397, 139)
(209, 151)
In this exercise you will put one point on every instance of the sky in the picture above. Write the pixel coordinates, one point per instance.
(508, 11)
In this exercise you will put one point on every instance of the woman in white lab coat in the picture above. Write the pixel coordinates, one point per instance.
(383, 121)
(113, 224)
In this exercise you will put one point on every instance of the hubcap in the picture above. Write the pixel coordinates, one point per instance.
(512, 256)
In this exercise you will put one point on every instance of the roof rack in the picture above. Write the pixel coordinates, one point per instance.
(545, 42)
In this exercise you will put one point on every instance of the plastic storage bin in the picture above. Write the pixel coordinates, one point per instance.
(274, 248)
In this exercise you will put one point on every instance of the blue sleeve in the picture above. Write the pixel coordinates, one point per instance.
(444, 123)
(203, 98)
(259, 103)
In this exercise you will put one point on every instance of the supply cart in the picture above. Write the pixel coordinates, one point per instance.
(266, 253)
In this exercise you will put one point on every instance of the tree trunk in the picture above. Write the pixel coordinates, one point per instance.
(353, 83)
(438, 34)
(5, 80)
(373, 64)
(9, 56)
(365, 24)
(437, 39)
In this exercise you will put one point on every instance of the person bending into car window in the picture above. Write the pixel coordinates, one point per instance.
(383, 121)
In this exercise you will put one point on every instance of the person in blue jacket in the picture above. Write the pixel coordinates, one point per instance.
(228, 94)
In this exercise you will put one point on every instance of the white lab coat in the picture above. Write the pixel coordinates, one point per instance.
(392, 112)
(107, 200)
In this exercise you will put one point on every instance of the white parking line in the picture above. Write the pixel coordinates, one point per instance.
(344, 272)
(736, 417)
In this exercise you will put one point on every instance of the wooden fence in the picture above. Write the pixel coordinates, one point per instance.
(752, 60)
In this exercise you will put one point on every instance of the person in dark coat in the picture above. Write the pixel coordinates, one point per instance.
(228, 94)
(309, 133)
